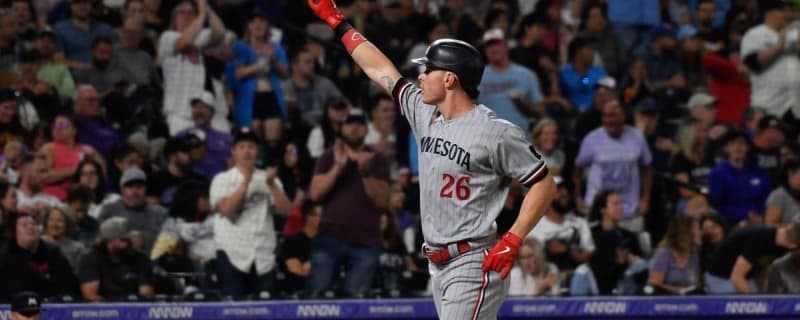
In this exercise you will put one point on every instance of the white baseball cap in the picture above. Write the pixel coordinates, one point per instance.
(206, 98)
(700, 99)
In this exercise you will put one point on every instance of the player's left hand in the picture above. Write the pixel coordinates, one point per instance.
(501, 257)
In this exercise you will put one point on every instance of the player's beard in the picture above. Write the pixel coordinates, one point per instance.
(353, 143)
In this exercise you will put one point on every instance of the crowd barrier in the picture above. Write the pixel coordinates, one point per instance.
(692, 307)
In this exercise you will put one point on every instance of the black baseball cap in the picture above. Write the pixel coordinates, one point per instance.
(26, 303)
(735, 134)
(770, 121)
(769, 5)
(175, 145)
(244, 134)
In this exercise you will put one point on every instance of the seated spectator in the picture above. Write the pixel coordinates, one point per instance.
(745, 254)
(783, 276)
(76, 34)
(309, 92)
(56, 74)
(610, 47)
(617, 250)
(162, 184)
(63, 156)
(675, 265)
(59, 228)
(766, 148)
(692, 163)
(738, 188)
(93, 130)
(101, 74)
(8, 200)
(715, 229)
(783, 203)
(91, 175)
(10, 44)
(124, 156)
(190, 222)
(579, 76)
(591, 118)
(129, 59)
(545, 137)
(11, 128)
(113, 270)
(636, 84)
(295, 251)
(34, 265)
(533, 275)
(394, 259)
(218, 143)
(143, 217)
(30, 198)
(39, 93)
(11, 161)
(324, 135)
(79, 200)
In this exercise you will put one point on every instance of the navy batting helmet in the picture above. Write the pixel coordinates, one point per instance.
(458, 57)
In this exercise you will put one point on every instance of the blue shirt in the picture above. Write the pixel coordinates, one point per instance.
(737, 192)
(76, 43)
(98, 134)
(634, 12)
(497, 85)
(579, 88)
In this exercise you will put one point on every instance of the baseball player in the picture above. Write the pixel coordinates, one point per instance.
(467, 158)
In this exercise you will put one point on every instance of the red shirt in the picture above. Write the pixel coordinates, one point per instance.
(729, 86)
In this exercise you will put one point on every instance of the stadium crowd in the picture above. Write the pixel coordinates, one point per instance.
(157, 149)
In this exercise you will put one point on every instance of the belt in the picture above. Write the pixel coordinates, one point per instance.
(448, 252)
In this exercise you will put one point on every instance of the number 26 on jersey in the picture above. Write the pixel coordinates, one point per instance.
(457, 187)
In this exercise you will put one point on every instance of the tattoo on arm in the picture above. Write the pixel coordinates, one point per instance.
(389, 83)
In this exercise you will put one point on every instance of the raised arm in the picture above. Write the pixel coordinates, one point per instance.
(371, 60)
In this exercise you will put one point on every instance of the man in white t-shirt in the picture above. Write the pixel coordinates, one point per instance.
(770, 52)
(245, 198)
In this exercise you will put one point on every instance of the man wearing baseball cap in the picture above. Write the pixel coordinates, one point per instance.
(113, 270)
(26, 305)
(179, 169)
(218, 143)
(767, 142)
(245, 198)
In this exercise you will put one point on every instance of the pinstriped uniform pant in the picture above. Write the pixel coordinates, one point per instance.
(462, 291)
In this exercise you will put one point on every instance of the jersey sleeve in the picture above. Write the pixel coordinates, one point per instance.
(515, 157)
(408, 97)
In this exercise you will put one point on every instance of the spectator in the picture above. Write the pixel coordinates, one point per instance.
(767, 143)
(508, 88)
(26, 305)
(533, 275)
(632, 20)
(294, 171)
(323, 135)
(50, 71)
(113, 269)
(40, 94)
(636, 84)
(782, 275)
(79, 199)
(675, 265)
(436, 30)
(580, 76)
(124, 157)
(26, 20)
(190, 222)
(8, 200)
(11, 128)
(532, 54)
(254, 75)
(129, 59)
(90, 175)
(738, 188)
(747, 252)
(30, 198)
(163, 183)
(63, 156)
(307, 91)
(101, 74)
(691, 163)
(296, 250)
(662, 61)
(102, 13)
(76, 35)
(181, 59)
(545, 137)
(618, 251)
(34, 265)
(729, 82)
(11, 161)
(395, 260)
(715, 229)
(381, 131)
(627, 172)
(772, 59)
(59, 228)
(93, 130)
(591, 118)
(360, 176)
(244, 235)
(10, 45)
(144, 218)
(783, 203)
(596, 28)
(217, 143)
(703, 109)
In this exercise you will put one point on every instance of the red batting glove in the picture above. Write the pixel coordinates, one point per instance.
(501, 257)
(327, 11)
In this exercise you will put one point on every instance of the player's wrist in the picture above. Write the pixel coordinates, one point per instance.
(512, 239)
(349, 36)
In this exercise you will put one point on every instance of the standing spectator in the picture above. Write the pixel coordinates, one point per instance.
(59, 229)
(101, 74)
(783, 203)
(217, 143)
(533, 275)
(144, 218)
(616, 157)
(351, 181)
(767, 143)
(729, 82)
(691, 163)
(772, 59)
(113, 270)
(782, 275)
(611, 48)
(50, 71)
(381, 132)
(323, 135)
(579, 77)
(295, 170)
(545, 137)
(245, 199)
(394, 258)
(745, 254)
(79, 199)
(30, 198)
(93, 130)
(254, 74)
(532, 54)
(675, 265)
(11, 128)
(163, 183)
(510, 89)
(664, 70)
(75, 35)
(63, 156)
(307, 91)
(296, 250)
(738, 188)
(90, 174)
(34, 265)
(181, 59)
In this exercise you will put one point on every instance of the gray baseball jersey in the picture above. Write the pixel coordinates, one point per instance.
(465, 166)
